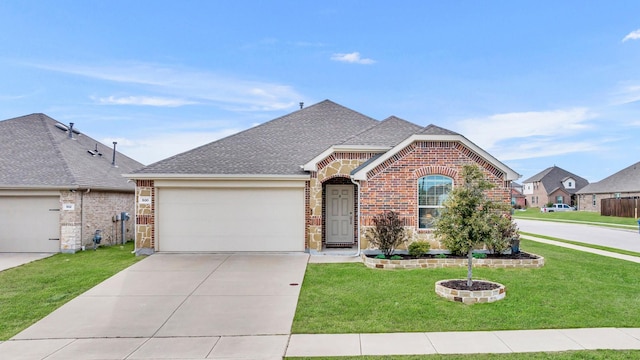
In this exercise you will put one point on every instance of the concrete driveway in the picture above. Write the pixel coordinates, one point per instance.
(175, 306)
(590, 234)
(10, 260)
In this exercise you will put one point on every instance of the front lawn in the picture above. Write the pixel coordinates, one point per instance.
(567, 355)
(573, 290)
(32, 291)
(575, 216)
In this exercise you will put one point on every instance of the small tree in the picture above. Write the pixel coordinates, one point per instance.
(387, 233)
(469, 217)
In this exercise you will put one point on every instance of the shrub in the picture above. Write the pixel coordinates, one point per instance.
(479, 255)
(396, 257)
(419, 248)
(507, 230)
(387, 233)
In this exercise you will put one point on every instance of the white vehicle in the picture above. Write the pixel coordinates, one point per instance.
(557, 207)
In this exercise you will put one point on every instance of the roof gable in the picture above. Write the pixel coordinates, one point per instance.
(38, 152)
(360, 173)
(625, 180)
(278, 147)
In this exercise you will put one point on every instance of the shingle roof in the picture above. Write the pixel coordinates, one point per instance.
(34, 153)
(625, 180)
(283, 145)
(552, 177)
(388, 132)
(277, 147)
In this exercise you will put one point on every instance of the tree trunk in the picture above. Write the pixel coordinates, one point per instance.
(469, 267)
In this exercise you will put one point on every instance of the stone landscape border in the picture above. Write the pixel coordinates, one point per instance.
(435, 263)
(471, 297)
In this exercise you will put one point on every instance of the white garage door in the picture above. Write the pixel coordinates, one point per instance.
(29, 224)
(214, 219)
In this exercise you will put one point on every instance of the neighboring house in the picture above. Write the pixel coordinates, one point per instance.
(518, 200)
(552, 185)
(623, 184)
(306, 181)
(58, 186)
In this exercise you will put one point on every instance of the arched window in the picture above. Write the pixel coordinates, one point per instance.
(433, 190)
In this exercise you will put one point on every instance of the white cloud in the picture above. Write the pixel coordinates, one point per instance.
(144, 101)
(628, 94)
(160, 146)
(202, 86)
(634, 35)
(488, 131)
(353, 58)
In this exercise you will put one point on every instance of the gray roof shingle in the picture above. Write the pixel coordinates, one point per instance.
(552, 177)
(283, 145)
(277, 147)
(35, 153)
(625, 180)
(388, 132)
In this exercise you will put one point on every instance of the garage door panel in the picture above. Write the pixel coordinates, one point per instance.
(29, 224)
(231, 219)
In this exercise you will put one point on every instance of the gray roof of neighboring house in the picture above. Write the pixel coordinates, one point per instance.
(552, 177)
(625, 180)
(35, 153)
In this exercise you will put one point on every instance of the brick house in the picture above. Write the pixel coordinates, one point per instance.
(623, 184)
(307, 181)
(552, 185)
(64, 180)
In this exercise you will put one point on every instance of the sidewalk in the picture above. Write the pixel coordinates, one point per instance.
(471, 342)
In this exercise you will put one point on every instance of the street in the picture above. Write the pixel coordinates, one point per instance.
(590, 234)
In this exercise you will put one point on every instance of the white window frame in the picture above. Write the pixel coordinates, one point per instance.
(445, 196)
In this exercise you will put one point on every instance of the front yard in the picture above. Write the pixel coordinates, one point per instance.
(32, 291)
(573, 290)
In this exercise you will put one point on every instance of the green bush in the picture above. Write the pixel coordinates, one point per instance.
(419, 248)
(480, 255)
(396, 257)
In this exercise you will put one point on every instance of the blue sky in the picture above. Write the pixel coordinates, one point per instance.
(535, 83)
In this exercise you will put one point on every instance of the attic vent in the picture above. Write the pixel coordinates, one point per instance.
(61, 127)
(95, 151)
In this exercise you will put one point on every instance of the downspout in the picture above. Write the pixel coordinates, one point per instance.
(357, 184)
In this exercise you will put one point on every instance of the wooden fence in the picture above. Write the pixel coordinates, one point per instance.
(623, 207)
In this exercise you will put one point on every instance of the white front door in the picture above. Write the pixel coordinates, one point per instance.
(339, 214)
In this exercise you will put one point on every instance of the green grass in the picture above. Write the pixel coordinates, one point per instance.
(593, 246)
(567, 355)
(573, 290)
(577, 216)
(32, 291)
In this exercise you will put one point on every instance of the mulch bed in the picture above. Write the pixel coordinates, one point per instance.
(477, 285)
(517, 256)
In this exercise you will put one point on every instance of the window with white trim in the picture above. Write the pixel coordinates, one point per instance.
(433, 190)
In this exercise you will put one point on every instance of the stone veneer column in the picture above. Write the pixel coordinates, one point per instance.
(70, 221)
(145, 217)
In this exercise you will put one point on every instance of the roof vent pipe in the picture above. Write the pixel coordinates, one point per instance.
(113, 162)
(301, 105)
(70, 130)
